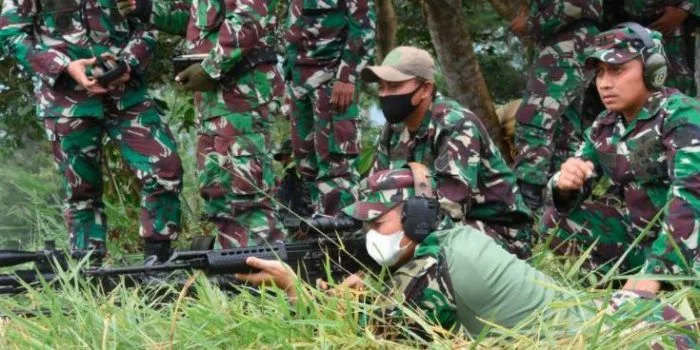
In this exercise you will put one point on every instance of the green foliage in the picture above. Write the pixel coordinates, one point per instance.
(500, 56)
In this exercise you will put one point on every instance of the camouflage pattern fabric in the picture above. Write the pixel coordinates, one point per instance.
(326, 146)
(382, 191)
(421, 284)
(646, 12)
(146, 145)
(653, 164)
(235, 173)
(628, 307)
(563, 29)
(327, 40)
(473, 181)
(45, 36)
(233, 152)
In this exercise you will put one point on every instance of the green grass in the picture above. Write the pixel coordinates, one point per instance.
(80, 316)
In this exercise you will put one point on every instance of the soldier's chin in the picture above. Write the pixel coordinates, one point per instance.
(613, 106)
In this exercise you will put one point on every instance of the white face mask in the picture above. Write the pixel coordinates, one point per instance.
(384, 249)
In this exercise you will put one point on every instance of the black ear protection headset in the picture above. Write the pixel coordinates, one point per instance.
(655, 65)
(420, 212)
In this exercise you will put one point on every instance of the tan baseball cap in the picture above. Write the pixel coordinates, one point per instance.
(401, 64)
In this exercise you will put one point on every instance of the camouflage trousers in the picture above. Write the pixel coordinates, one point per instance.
(600, 221)
(515, 241)
(326, 145)
(556, 82)
(147, 147)
(235, 177)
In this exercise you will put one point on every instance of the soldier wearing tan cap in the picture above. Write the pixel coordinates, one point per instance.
(475, 185)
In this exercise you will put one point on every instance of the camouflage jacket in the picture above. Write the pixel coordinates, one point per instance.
(473, 179)
(328, 39)
(549, 18)
(650, 10)
(228, 31)
(46, 35)
(655, 164)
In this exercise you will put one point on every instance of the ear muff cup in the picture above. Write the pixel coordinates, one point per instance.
(421, 212)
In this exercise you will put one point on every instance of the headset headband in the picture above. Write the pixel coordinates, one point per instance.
(421, 181)
(640, 33)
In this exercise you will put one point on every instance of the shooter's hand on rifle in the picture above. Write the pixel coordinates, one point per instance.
(272, 272)
(354, 282)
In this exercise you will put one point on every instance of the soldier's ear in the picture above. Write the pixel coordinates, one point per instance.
(428, 89)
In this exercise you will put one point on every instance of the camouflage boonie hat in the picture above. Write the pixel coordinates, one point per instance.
(381, 192)
(623, 44)
(284, 149)
(401, 64)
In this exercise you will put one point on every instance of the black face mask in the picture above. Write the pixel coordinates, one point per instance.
(397, 107)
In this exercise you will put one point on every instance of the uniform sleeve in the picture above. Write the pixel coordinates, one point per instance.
(675, 250)
(546, 21)
(17, 39)
(139, 51)
(360, 44)
(586, 151)
(171, 17)
(691, 6)
(457, 166)
(239, 34)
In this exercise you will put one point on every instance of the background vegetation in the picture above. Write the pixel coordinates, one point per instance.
(83, 317)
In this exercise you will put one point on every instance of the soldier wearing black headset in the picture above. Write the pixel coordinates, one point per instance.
(646, 143)
(459, 276)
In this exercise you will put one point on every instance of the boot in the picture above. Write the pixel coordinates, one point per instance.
(156, 251)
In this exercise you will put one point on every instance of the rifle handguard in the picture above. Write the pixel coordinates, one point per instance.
(233, 260)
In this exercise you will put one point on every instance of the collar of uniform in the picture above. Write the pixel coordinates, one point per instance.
(427, 118)
(429, 247)
(653, 105)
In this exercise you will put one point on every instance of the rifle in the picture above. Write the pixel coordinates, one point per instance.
(341, 254)
(46, 263)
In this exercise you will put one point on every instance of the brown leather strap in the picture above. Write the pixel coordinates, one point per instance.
(421, 180)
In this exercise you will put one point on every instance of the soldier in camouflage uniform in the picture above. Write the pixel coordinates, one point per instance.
(667, 17)
(475, 185)
(647, 144)
(328, 44)
(549, 127)
(236, 90)
(458, 278)
(57, 42)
